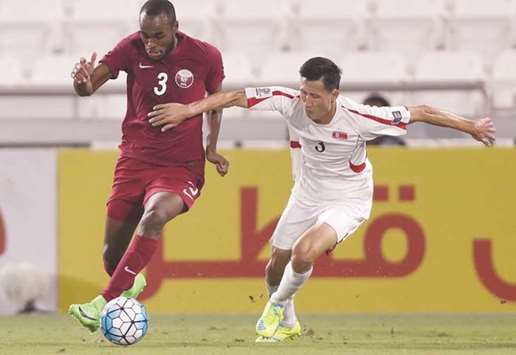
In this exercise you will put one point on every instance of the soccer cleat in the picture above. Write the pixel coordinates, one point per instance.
(269, 321)
(282, 333)
(88, 314)
(137, 288)
(285, 333)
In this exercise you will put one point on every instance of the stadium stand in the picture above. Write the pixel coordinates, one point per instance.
(316, 22)
(504, 79)
(482, 26)
(244, 26)
(460, 66)
(399, 47)
(411, 27)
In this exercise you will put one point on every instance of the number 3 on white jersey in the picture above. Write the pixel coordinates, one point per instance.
(162, 82)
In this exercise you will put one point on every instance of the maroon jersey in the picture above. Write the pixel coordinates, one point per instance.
(184, 75)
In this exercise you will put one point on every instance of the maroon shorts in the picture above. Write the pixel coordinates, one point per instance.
(136, 181)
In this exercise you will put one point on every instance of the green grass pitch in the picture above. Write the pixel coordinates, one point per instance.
(338, 334)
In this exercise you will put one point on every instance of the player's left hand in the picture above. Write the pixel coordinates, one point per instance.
(484, 131)
(168, 115)
(221, 163)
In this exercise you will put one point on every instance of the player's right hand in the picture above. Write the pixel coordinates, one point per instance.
(168, 115)
(484, 131)
(82, 71)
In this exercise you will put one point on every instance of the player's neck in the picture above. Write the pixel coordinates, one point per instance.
(174, 43)
(172, 46)
(329, 116)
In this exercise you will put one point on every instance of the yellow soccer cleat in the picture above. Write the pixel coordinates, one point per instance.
(269, 321)
(286, 333)
(282, 333)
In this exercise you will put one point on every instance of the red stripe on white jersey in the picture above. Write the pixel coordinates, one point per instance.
(295, 144)
(255, 101)
(357, 168)
(378, 119)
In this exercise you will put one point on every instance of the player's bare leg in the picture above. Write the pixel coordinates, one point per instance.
(118, 235)
(160, 208)
(275, 267)
(312, 244)
(289, 327)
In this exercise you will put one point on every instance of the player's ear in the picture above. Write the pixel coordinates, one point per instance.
(335, 93)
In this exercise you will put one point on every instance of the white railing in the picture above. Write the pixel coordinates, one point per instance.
(75, 130)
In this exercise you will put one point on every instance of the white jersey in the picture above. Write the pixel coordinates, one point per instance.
(334, 167)
(295, 153)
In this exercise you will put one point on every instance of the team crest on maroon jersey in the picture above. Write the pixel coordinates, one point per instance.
(184, 78)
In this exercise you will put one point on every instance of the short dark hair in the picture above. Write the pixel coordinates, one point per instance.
(376, 99)
(158, 7)
(319, 68)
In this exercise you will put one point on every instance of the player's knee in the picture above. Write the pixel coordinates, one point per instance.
(154, 220)
(303, 255)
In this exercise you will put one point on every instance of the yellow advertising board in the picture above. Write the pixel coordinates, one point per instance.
(441, 238)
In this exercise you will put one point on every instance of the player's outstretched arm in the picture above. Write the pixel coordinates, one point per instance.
(171, 114)
(87, 78)
(482, 130)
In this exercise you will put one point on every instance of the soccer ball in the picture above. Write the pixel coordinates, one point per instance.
(124, 321)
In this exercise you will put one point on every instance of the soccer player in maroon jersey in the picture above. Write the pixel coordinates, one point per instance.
(159, 174)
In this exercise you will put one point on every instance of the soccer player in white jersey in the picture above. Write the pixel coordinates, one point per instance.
(333, 193)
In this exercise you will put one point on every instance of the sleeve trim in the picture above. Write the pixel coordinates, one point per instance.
(379, 119)
(253, 101)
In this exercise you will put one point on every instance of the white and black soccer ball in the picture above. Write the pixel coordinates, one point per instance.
(124, 321)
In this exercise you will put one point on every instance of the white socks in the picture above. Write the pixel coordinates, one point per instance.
(290, 283)
(289, 316)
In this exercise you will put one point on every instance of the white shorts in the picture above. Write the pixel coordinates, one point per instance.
(297, 218)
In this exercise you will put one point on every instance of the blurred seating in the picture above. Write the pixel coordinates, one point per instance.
(450, 67)
(371, 67)
(53, 70)
(482, 26)
(195, 17)
(246, 27)
(504, 79)
(407, 26)
(282, 68)
(11, 72)
(88, 29)
(266, 42)
(331, 25)
(30, 28)
(237, 68)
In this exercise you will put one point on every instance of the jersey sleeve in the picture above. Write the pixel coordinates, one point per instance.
(271, 98)
(372, 121)
(216, 72)
(117, 59)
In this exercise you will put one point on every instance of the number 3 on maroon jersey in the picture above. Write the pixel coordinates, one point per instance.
(162, 84)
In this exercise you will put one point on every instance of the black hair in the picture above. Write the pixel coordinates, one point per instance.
(319, 68)
(158, 7)
(376, 99)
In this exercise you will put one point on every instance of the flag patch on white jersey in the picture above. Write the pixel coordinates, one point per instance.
(339, 135)
(263, 92)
